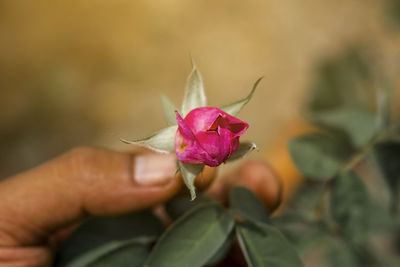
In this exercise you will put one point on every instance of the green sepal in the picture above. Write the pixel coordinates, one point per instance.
(194, 96)
(162, 141)
(189, 173)
(235, 107)
(169, 110)
(244, 149)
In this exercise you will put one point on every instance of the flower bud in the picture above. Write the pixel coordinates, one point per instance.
(207, 136)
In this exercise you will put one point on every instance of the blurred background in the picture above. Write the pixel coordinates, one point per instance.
(91, 72)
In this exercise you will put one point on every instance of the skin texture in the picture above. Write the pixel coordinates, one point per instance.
(40, 207)
(37, 204)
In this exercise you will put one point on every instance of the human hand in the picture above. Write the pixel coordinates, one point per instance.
(37, 206)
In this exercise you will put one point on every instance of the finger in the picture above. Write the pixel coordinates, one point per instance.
(205, 178)
(258, 176)
(83, 181)
(25, 256)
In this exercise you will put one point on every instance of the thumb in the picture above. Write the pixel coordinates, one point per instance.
(83, 181)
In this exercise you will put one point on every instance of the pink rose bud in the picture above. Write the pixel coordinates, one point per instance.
(207, 135)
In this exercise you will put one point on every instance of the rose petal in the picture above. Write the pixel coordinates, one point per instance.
(200, 119)
(235, 145)
(187, 148)
(238, 127)
(216, 143)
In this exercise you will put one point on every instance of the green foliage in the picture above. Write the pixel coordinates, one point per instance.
(351, 206)
(222, 251)
(340, 82)
(244, 203)
(99, 231)
(339, 98)
(387, 155)
(342, 255)
(194, 238)
(202, 235)
(116, 253)
(393, 9)
(345, 209)
(265, 246)
(317, 155)
(235, 107)
(356, 123)
(179, 205)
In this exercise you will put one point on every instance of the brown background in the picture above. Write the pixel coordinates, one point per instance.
(91, 71)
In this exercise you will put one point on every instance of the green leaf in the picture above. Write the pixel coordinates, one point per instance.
(193, 239)
(162, 141)
(194, 93)
(244, 149)
(341, 254)
(243, 202)
(130, 253)
(340, 81)
(351, 206)
(178, 205)
(317, 155)
(189, 173)
(393, 11)
(384, 105)
(169, 110)
(387, 156)
(358, 124)
(222, 251)
(263, 245)
(98, 231)
(235, 107)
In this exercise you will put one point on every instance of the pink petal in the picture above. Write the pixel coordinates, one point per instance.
(187, 147)
(216, 143)
(235, 145)
(200, 119)
(238, 127)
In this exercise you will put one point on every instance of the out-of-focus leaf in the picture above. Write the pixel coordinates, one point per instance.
(98, 231)
(179, 205)
(193, 239)
(305, 202)
(244, 149)
(351, 206)
(235, 107)
(263, 245)
(394, 12)
(169, 110)
(342, 255)
(387, 155)
(340, 97)
(194, 93)
(130, 253)
(245, 203)
(317, 155)
(340, 82)
(189, 173)
(222, 251)
(358, 124)
(162, 141)
(384, 105)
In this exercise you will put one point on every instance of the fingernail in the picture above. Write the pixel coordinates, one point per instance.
(154, 169)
